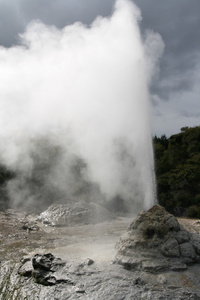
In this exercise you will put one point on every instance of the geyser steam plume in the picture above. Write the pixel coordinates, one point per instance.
(74, 111)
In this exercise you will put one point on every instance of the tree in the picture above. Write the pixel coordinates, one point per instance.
(177, 165)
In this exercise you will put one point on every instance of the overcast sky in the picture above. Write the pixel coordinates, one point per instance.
(175, 91)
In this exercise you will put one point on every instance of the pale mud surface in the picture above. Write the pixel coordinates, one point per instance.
(89, 241)
(191, 225)
(22, 234)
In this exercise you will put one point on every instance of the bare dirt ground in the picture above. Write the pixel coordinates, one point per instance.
(21, 234)
(15, 239)
(191, 225)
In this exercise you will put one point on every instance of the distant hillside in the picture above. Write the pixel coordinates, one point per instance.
(177, 165)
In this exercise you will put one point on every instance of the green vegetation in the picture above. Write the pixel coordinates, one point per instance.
(177, 165)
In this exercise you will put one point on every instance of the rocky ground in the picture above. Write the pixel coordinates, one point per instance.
(86, 269)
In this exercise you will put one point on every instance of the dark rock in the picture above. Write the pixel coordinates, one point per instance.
(155, 266)
(188, 261)
(178, 266)
(43, 278)
(182, 236)
(129, 263)
(138, 281)
(170, 248)
(187, 250)
(43, 262)
(26, 269)
(46, 270)
(25, 259)
(30, 226)
(89, 262)
(196, 244)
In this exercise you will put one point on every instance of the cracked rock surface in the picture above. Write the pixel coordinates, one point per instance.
(50, 278)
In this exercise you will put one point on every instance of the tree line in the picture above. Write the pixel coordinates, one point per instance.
(177, 168)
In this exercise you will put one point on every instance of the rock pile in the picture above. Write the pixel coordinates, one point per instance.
(48, 270)
(45, 269)
(156, 242)
(80, 213)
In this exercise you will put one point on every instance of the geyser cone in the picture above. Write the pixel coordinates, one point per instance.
(74, 112)
(156, 242)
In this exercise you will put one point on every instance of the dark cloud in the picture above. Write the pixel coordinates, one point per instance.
(177, 22)
(11, 23)
(15, 15)
(61, 13)
(189, 114)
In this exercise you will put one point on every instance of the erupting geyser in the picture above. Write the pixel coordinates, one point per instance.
(74, 111)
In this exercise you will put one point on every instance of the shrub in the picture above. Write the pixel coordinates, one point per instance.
(193, 211)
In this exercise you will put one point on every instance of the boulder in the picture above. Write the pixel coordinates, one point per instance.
(187, 250)
(46, 270)
(155, 241)
(170, 248)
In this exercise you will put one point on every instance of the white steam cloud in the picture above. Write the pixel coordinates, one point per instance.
(74, 111)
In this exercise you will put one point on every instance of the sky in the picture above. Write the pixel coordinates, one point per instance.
(175, 87)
